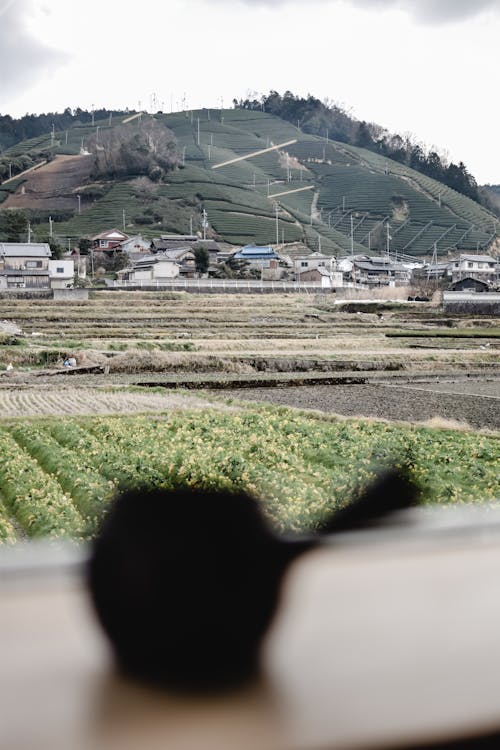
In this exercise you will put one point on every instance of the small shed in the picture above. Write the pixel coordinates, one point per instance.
(469, 284)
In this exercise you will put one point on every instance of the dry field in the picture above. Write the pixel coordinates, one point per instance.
(162, 332)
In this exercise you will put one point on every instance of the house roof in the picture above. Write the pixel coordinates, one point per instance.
(321, 270)
(111, 234)
(380, 267)
(254, 252)
(469, 278)
(477, 258)
(25, 249)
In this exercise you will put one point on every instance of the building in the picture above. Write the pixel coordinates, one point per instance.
(109, 240)
(61, 274)
(374, 270)
(482, 267)
(24, 265)
(28, 265)
(257, 256)
(134, 244)
(155, 268)
(312, 261)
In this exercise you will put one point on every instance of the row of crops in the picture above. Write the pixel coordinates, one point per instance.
(57, 476)
(346, 177)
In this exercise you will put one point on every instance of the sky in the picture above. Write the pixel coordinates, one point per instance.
(429, 68)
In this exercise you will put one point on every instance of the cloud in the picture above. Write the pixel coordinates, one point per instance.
(425, 11)
(430, 11)
(24, 59)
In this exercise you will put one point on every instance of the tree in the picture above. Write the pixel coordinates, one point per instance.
(84, 245)
(13, 226)
(201, 260)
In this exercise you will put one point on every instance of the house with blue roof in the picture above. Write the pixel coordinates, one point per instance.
(259, 255)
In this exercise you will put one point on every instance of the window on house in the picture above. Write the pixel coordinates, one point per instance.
(59, 269)
(304, 263)
(470, 264)
(103, 243)
(33, 264)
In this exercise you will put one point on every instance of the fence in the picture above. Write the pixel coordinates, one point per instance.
(240, 286)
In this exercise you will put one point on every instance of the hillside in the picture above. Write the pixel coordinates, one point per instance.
(339, 189)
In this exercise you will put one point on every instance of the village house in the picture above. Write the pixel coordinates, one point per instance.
(374, 271)
(263, 258)
(109, 240)
(304, 263)
(134, 244)
(155, 268)
(481, 267)
(29, 266)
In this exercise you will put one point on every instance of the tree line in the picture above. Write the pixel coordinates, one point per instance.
(319, 118)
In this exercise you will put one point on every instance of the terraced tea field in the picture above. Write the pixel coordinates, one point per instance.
(347, 184)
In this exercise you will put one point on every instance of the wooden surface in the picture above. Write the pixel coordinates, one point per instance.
(383, 639)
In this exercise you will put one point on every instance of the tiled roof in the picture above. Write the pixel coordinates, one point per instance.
(25, 249)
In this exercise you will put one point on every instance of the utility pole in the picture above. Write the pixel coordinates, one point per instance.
(10, 170)
(110, 118)
(183, 155)
(209, 152)
(123, 219)
(79, 204)
(50, 226)
(29, 232)
(343, 203)
(352, 234)
(198, 131)
(93, 113)
(277, 208)
(205, 222)
(191, 225)
(66, 138)
(388, 227)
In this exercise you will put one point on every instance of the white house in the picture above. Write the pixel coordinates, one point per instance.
(24, 265)
(61, 274)
(155, 268)
(482, 267)
(303, 263)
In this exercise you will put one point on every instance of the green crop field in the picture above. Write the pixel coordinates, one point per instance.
(57, 475)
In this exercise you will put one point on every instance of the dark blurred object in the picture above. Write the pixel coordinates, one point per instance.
(186, 582)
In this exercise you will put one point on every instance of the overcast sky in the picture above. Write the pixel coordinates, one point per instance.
(428, 67)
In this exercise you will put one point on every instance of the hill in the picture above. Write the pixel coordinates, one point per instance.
(321, 192)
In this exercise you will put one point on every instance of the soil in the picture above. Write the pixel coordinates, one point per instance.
(54, 185)
(476, 405)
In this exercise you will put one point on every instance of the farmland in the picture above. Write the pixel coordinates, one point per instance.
(58, 475)
(69, 440)
(351, 194)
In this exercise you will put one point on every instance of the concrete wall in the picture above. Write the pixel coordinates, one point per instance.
(378, 293)
(474, 303)
(70, 295)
